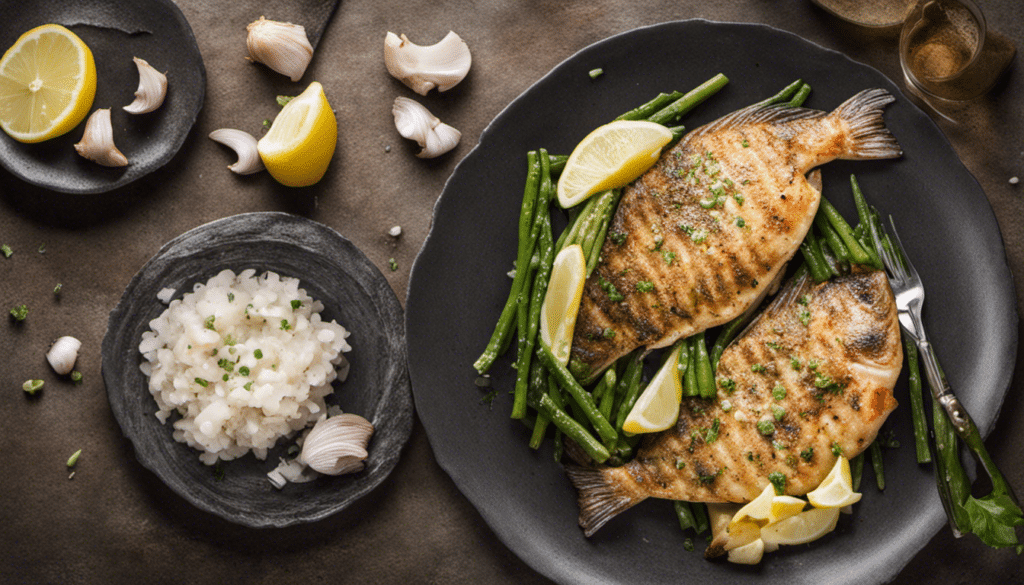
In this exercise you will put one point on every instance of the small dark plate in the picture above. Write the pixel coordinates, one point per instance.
(154, 30)
(458, 286)
(353, 291)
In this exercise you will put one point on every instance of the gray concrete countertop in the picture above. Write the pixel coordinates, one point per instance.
(115, 522)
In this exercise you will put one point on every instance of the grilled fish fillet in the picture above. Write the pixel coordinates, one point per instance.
(811, 377)
(698, 237)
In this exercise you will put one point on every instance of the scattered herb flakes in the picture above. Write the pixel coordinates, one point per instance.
(746, 143)
(794, 362)
(20, 312)
(243, 371)
(42, 248)
(698, 236)
(712, 435)
(609, 333)
(489, 397)
(618, 238)
(209, 322)
(248, 386)
(645, 286)
(266, 124)
(226, 364)
(805, 317)
(757, 368)
(740, 222)
(32, 386)
(613, 293)
(258, 354)
(229, 340)
(807, 454)
(6, 251)
(688, 545)
(74, 458)
(285, 326)
(595, 73)
(668, 256)
(778, 412)
(727, 384)
(837, 449)
(804, 300)
(296, 304)
(392, 264)
(739, 198)
(58, 288)
(778, 480)
(282, 100)
(225, 377)
(680, 464)
(231, 297)
(766, 427)
(76, 377)
(202, 382)
(779, 391)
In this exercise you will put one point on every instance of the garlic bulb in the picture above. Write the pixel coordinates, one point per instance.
(442, 65)
(152, 89)
(244, 145)
(282, 46)
(62, 354)
(97, 143)
(337, 445)
(415, 122)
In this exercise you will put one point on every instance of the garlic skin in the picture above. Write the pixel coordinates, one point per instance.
(415, 122)
(442, 65)
(152, 89)
(337, 445)
(282, 46)
(244, 145)
(63, 354)
(97, 143)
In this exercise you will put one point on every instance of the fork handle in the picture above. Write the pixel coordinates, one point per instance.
(942, 392)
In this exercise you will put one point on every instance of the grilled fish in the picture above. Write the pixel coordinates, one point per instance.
(699, 236)
(809, 379)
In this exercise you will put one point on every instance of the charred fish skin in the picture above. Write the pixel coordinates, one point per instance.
(698, 236)
(811, 378)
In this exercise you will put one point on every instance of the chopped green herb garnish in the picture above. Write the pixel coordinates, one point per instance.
(296, 304)
(766, 427)
(214, 352)
(76, 377)
(392, 264)
(243, 370)
(229, 341)
(6, 251)
(807, 454)
(266, 123)
(284, 325)
(32, 386)
(804, 300)
(727, 384)
(595, 73)
(42, 248)
(489, 397)
(837, 450)
(757, 368)
(712, 435)
(668, 256)
(258, 354)
(609, 333)
(645, 286)
(805, 316)
(57, 289)
(813, 364)
(248, 386)
(739, 198)
(746, 143)
(778, 412)
(74, 458)
(680, 464)
(726, 406)
(231, 297)
(688, 545)
(618, 238)
(613, 293)
(793, 361)
(773, 345)
(698, 236)
(740, 222)
(225, 377)
(779, 391)
(202, 382)
(282, 100)
(20, 312)
(778, 482)
(209, 322)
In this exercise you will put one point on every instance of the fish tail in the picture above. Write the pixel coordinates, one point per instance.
(601, 497)
(869, 138)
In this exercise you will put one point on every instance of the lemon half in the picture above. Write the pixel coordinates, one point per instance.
(657, 408)
(836, 490)
(47, 84)
(301, 141)
(610, 156)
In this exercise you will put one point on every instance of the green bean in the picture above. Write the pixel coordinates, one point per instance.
(538, 383)
(632, 393)
(727, 334)
(503, 330)
(705, 374)
(579, 224)
(646, 110)
(606, 386)
(917, 402)
(685, 515)
(557, 162)
(677, 133)
(555, 393)
(826, 256)
(581, 396)
(630, 377)
(700, 514)
(691, 387)
(785, 95)
(572, 429)
(801, 96)
(683, 363)
(819, 271)
(856, 471)
(606, 220)
(598, 217)
(954, 486)
(857, 253)
(876, 463)
(692, 99)
(832, 238)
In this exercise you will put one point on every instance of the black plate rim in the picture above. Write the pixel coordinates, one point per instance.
(399, 395)
(550, 567)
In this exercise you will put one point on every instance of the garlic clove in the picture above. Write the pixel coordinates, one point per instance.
(152, 89)
(415, 122)
(63, 354)
(97, 142)
(282, 46)
(422, 68)
(337, 445)
(244, 145)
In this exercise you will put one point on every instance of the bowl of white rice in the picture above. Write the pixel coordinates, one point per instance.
(234, 338)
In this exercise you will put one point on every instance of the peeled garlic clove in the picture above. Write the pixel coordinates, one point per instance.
(415, 122)
(442, 65)
(97, 143)
(337, 445)
(282, 46)
(62, 354)
(244, 145)
(152, 89)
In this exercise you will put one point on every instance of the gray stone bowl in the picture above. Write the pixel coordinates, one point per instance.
(353, 292)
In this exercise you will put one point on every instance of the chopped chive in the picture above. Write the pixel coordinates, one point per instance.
(76, 377)
(778, 482)
(746, 143)
(248, 386)
(225, 377)
(42, 248)
(392, 264)
(296, 304)
(779, 391)
(645, 286)
(595, 73)
(807, 454)
(837, 450)
(202, 382)
(32, 386)
(231, 297)
(57, 289)
(284, 325)
(258, 354)
(282, 100)
(209, 322)
(20, 312)
(6, 250)
(243, 370)
(74, 458)
(766, 427)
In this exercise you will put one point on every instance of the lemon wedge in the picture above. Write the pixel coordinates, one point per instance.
(802, 528)
(562, 301)
(758, 510)
(836, 490)
(300, 143)
(748, 554)
(47, 84)
(783, 507)
(610, 156)
(657, 408)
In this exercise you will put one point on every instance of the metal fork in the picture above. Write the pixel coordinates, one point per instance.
(909, 292)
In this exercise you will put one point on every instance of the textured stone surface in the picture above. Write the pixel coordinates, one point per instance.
(116, 522)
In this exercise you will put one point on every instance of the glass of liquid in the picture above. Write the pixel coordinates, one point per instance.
(947, 53)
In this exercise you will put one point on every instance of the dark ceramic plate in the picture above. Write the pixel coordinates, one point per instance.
(353, 292)
(154, 30)
(458, 286)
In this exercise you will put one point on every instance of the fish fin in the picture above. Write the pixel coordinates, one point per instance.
(814, 180)
(759, 113)
(788, 296)
(600, 499)
(868, 134)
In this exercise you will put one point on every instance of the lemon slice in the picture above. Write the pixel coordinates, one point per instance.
(610, 156)
(802, 528)
(562, 301)
(783, 507)
(658, 407)
(748, 554)
(836, 490)
(758, 510)
(47, 84)
(300, 143)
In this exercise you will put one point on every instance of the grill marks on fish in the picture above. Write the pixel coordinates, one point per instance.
(814, 372)
(714, 221)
